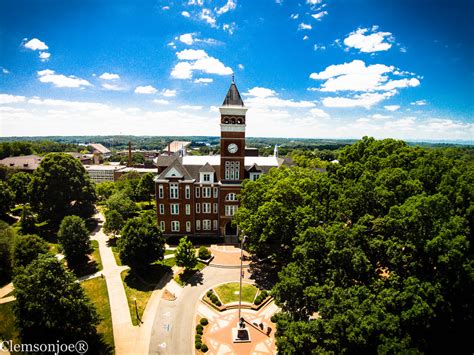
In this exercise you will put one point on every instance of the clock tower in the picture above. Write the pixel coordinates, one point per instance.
(232, 164)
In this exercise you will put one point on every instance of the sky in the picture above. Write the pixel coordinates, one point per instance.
(305, 68)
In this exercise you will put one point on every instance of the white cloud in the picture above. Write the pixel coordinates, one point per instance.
(190, 107)
(44, 56)
(241, 66)
(356, 76)
(168, 93)
(317, 112)
(35, 44)
(392, 108)
(161, 102)
(165, 8)
(294, 16)
(313, 2)
(197, 60)
(10, 99)
(5, 71)
(305, 38)
(207, 16)
(146, 90)
(113, 87)
(196, 2)
(318, 16)
(366, 100)
(74, 105)
(185, 14)
(379, 116)
(230, 5)
(229, 27)
(419, 103)
(304, 26)
(203, 80)
(319, 47)
(373, 42)
(61, 81)
(265, 98)
(187, 38)
(109, 76)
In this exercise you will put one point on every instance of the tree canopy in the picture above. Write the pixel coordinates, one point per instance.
(141, 242)
(27, 248)
(74, 239)
(185, 254)
(61, 187)
(375, 255)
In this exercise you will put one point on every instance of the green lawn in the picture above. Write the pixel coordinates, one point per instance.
(229, 292)
(170, 251)
(8, 328)
(141, 286)
(96, 290)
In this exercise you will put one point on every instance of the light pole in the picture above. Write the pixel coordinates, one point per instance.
(136, 310)
(242, 241)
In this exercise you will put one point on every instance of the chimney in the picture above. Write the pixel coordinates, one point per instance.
(129, 153)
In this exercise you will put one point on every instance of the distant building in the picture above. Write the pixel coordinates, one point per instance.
(99, 148)
(26, 163)
(86, 159)
(119, 172)
(175, 147)
(197, 195)
(101, 173)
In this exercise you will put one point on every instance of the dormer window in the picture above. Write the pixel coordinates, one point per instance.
(207, 177)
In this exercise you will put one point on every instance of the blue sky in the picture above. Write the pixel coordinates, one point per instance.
(309, 68)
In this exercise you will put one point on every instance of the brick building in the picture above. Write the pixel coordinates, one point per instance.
(197, 195)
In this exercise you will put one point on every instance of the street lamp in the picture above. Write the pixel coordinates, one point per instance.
(242, 241)
(136, 310)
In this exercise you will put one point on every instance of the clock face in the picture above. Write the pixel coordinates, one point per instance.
(232, 148)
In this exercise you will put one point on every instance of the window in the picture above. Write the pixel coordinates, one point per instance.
(206, 177)
(174, 190)
(175, 226)
(198, 225)
(188, 226)
(187, 192)
(198, 208)
(231, 197)
(216, 206)
(215, 225)
(216, 192)
(206, 208)
(198, 192)
(232, 170)
(162, 208)
(206, 192)
(174, 208)
(162, 226)
(254, 176)
(206, 224)
(230, 210)
(188, 209)
(160, 191)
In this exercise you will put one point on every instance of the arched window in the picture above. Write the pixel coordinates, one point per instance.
(231, 197)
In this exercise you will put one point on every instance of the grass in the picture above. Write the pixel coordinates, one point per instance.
(170, 251)
(184, 277)
(167, 262)
(96, 290)
(140, 286)
(227, 292)
(8, 329)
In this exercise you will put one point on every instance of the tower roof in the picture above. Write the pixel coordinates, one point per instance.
(233, 96)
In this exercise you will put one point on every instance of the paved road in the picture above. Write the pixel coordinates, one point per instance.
(173, 327)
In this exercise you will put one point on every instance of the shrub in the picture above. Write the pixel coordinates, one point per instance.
(204, 348)
(197, 338)
(273, 319)
(197, 345)
(214, 298)
(204, 321)
(264, 294)
(209, 293)
(199, 327)
(218, 303)
(258, 300)
(199, 331)
(204, 253)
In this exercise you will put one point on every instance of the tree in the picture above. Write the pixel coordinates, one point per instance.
(7, 240)
(6, 198)
(122, 204)
(27, 220)
(140, 243)
(27, 248)
(74, 239)
(113, 222)
(146, 186)
(61, 187)
(50, 305)
(185, 254)
(19, 183)
(104, 190)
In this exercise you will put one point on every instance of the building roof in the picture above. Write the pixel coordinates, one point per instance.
(233, 96)
(175, 146)
(207, 168)
(81, 156)
(103, 167)
(24, 162)
(139, 170)
(100, 148)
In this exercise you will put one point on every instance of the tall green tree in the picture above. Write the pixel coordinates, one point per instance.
(122, 204)
(104, 190)
(185, 254)
(140, 243)
(146, 187)
(27, 220)
(7, 240)
(61, 187)
(51, 306)
(113, 222)
(19, 183)
(74, 239)
(6, 198)
(27, 248)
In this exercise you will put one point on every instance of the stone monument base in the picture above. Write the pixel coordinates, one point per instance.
(240, 335)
